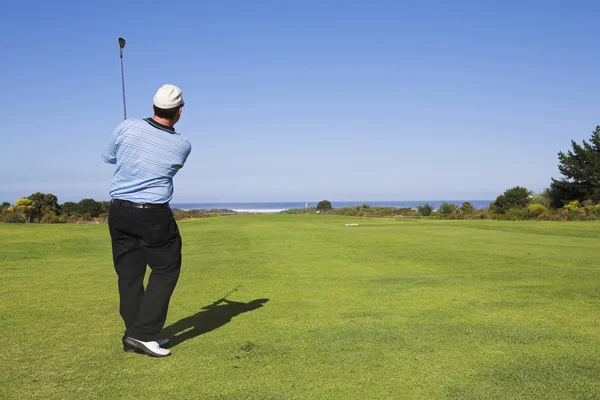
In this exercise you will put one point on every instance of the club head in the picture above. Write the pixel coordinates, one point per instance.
(121, 42)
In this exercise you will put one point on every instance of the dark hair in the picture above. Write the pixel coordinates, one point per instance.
(169, 113)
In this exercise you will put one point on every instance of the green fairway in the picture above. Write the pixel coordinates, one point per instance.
(388, 309)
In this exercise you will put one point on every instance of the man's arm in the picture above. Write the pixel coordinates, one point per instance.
(109, 155)
(186, 153)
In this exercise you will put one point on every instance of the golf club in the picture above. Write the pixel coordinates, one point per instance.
(122, 46)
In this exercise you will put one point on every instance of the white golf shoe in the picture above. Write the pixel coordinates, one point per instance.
(151, 348)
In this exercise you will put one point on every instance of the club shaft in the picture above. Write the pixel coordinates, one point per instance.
(123, 86)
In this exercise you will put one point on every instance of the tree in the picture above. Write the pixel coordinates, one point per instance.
(446, 209)
(4, 205)
(425, 210)
(580, 168)
(90, 207)
(467, 208)
(44, 203)
(69, 208)
(105, 205)
(24, 208)
(324, 205)
(517, 197)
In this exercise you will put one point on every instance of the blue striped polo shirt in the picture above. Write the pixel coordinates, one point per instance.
(148, 155)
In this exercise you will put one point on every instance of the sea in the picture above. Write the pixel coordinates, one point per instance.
(277, 207)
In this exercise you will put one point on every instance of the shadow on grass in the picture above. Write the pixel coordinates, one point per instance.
(209, 318)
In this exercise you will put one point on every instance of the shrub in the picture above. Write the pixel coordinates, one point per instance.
(347, 211)
(467, 208)
(291, 211)
(447, 210)
(484, 213)
(69, 208)
(13, 218)
(48, 218)
(188, 214)
(23, 208)
(572, 206)
(572, 210)
(90, 207)
(425, 210)
(386, 211)
(516, 214)
(537, 211)
(593, 210)
(517, 197)
(324, 206)
(406, 211)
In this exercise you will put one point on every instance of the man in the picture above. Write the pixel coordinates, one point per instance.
(148, 153)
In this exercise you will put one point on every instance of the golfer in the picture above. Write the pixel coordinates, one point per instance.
(147, 153)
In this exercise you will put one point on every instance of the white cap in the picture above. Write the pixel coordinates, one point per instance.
(168, 96)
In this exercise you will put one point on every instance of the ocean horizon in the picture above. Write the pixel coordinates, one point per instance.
(276, 207)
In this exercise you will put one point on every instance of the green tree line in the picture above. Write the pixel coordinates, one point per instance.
(45, 208)
(573, 196)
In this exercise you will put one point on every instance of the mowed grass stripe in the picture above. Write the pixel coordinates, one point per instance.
(386, 309)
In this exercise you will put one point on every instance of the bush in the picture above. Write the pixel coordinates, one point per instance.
(48, 218)
(425, 210)
(572, 206)
(484, 213)
(447, 210)
(324, 206)
(386, 211)
(291, 211)
(573, 210)
(516, 214)
(406, 211)
(467, 208)
(351, 211)
(593, 210)
(517, 197)
(188, 214)
(12, 218)
(69, 208)
(537, 211)
(90, 207)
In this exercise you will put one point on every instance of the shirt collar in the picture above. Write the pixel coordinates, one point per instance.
(158, 125)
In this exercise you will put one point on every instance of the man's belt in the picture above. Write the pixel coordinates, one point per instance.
(130, 204)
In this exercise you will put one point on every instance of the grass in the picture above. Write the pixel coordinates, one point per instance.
(386, 309)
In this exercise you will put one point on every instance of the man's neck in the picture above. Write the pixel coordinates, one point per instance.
(163, 121)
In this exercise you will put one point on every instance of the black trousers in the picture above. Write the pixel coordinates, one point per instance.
(143, 237)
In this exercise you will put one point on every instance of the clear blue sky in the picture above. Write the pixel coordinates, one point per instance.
(310, 100)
